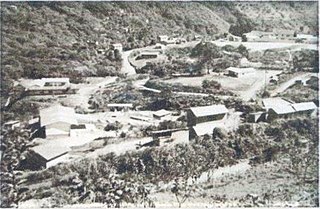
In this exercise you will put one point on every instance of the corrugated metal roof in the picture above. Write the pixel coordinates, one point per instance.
(304, 106)
(209, 110)
(57, 113)
(204, 128)
(50, 152)
(274, 102)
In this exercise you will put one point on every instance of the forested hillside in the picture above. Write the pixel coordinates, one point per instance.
(63, 39)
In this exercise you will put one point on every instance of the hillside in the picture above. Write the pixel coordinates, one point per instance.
(62, 39)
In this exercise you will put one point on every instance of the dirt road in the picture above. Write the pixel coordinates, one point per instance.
(255, 87)
(303, 77)
(81, 98)
(126, 66)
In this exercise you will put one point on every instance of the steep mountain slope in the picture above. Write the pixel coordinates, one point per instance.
(61, 39)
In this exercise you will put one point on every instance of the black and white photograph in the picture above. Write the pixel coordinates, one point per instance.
(159, 104)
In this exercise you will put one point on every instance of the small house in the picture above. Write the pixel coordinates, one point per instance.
(284, 34)
(166, 40)
(197, 37)
(307, 38)
(240, 72)
(148, 55)
(258, 36)
(140, 118)
(163, 39)
(160, 114)
(44, 156)
(196, 115)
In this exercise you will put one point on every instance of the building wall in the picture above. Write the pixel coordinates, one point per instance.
(48, 92)
(192, 133)
(59, 125)
(209, 118)
(34, 162)
(191, 118)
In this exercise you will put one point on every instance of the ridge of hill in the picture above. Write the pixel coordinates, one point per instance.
(46, 39)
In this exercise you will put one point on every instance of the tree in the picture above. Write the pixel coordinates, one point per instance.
(243, 51)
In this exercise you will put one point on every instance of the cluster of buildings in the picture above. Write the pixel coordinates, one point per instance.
(279, 35)
(55, 122)
(279, 108)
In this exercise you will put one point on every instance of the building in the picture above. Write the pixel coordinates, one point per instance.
(117, 46)
(262, 36)
(160, 114)
(304, 107)
(120, 106)
(163, 39)
(258, 36)
(284, 35)
(197, 37)
(44, 156)
(56, 120)
(162, 133)
(280, 108)
(307, 38)
(140, 118)
(196, 115)
(148, 55)
(49, 86)
(240, 72)
(234, 38)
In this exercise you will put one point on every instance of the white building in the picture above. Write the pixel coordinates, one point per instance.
(45, 86)
(240, 72)
(307, 38)
(56, 120)
(44, 156)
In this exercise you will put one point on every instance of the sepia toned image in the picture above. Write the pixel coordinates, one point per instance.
(159, 104)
